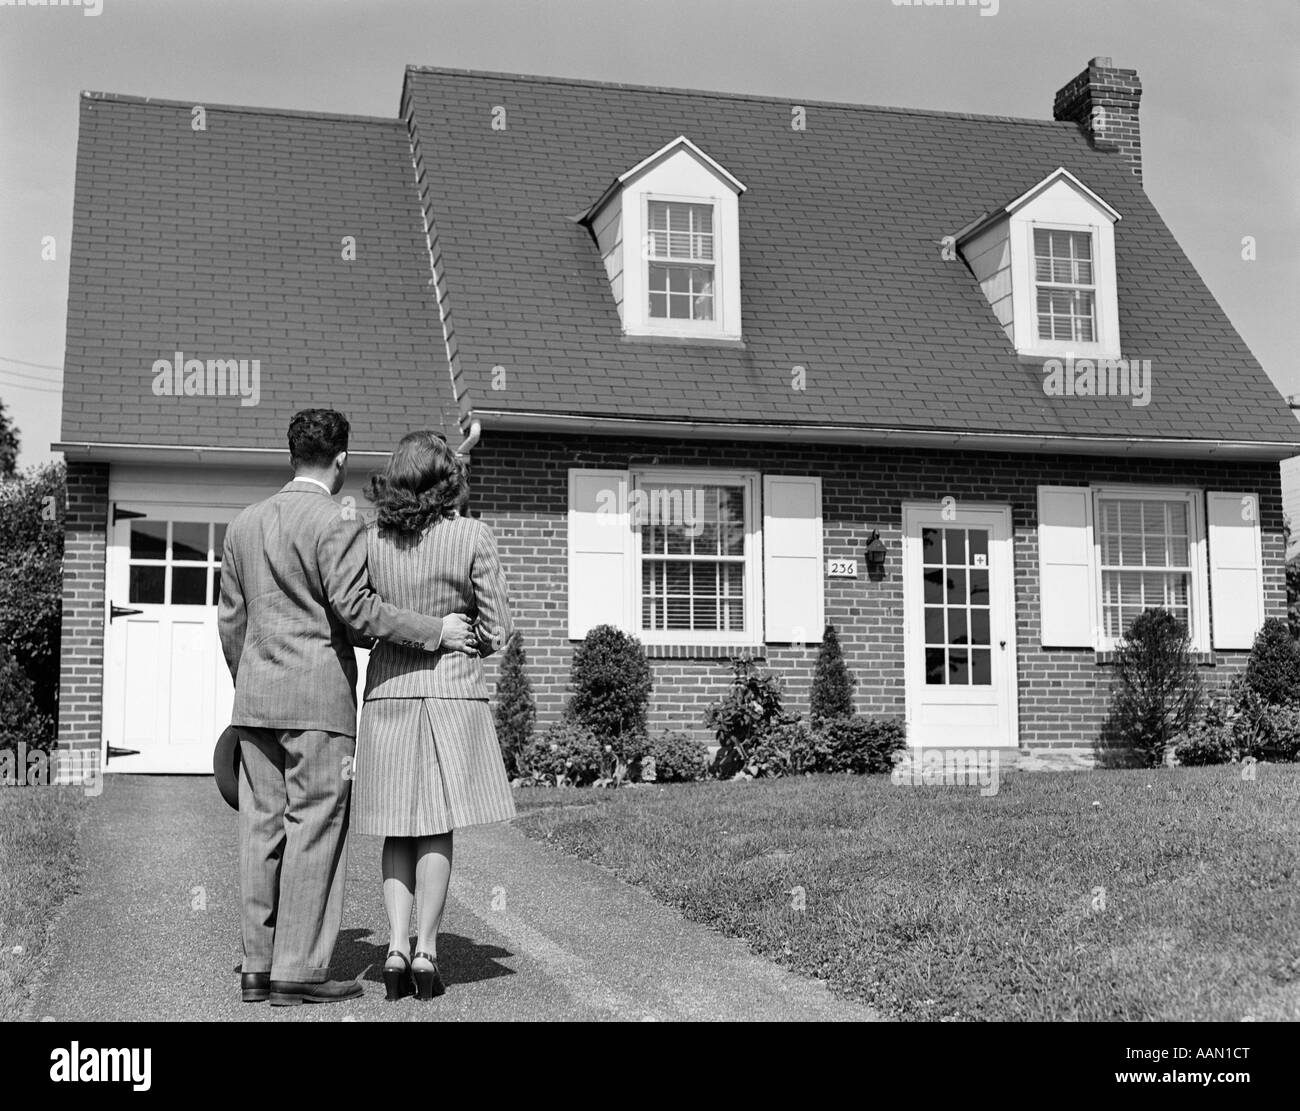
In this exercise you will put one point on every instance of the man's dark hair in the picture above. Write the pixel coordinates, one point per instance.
(316, 436)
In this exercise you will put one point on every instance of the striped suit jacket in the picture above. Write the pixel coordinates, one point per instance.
(452, 567)
(295, 596)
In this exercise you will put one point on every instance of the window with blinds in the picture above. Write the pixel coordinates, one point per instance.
(1146, 560)
(680, 244)
(1065, 285)
(693, 557)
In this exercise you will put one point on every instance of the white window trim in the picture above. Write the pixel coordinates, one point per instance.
(752, 633)
(1024, 291)
(1094, 246)
(661, 326)
(1198, 548)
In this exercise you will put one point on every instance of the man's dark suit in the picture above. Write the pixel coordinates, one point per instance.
(295, 593)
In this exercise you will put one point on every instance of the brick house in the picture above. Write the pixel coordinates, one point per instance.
(727, 368)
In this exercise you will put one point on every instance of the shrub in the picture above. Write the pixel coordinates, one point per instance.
(1156, 690)
(670, 757)
(785, 748)
(751, 705)
(610, 681)
(516, 712)
(1273, 670)
(31, 582)
(832, 685)
(861, 745)
(1264, 730)
(568, 754)
(1293, 595)
(1212, 739)
(20, 719)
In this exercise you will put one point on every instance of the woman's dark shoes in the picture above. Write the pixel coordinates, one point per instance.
(256, 986)
(428, 982)
(287, 993)
(397, 980)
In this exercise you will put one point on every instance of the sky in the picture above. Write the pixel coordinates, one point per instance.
(1221, 89)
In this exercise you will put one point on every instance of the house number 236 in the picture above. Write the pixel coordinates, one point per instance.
(842, 568)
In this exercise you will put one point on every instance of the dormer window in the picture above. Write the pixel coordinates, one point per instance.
(680, 261)
(1046, 264)
(668, 232)
(1066, 292)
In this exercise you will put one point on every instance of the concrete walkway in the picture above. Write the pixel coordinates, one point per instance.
(529, 934)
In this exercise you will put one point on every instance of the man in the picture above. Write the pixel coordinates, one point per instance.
(295, 596)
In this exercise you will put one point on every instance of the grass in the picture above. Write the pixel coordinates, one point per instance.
(1171, 894)
(38, 865)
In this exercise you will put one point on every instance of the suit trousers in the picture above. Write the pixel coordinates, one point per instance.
(295, 791)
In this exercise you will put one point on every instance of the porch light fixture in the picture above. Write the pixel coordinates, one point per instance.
(876, 551)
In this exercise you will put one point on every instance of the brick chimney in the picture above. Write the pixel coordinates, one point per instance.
(1103, 101)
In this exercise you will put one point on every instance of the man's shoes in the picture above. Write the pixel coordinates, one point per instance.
(287, 993)
(256, 986)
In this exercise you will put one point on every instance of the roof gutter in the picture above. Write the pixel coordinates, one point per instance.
(1039, 443)
(174, 454)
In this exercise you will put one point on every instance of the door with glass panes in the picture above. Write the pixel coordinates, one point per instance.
(959, 638)
(167, 692)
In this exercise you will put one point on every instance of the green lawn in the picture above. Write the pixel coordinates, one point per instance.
(937, 903)
(38, 859)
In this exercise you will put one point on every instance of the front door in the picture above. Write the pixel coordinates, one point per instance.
(959, 637)
(167, 692)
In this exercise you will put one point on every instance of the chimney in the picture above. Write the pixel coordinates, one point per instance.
(1103, 101)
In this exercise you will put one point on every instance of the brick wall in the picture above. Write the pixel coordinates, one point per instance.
(1103, 100)
(520, 484)
(81, 673)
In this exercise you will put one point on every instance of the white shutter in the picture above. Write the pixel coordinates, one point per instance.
(1236, 568)
(1066, 574)
(600, 555)
(792, 559)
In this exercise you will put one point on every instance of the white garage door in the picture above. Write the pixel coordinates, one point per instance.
(167, 687)
(167, 692)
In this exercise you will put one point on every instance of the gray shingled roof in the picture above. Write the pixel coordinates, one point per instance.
(841, 269)
(226, 243)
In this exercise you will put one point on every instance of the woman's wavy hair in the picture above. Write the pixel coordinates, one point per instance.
(423, 482)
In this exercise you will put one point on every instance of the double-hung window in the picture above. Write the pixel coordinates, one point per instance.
(1149, 556)
(1065, 285)
(682, 259)
(698, 556)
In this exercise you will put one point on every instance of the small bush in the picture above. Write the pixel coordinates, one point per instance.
(31, 582)
(1265, 730)
(516, 711)
(1212, 739)
(670, 757)
(861, 745)
(20, 718)
(567, 754)
(832, 685)
(1273, 670)
(751, 706)
(854, 745)
(610, 681)
(1156, 690)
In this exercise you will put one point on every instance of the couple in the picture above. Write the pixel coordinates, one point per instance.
(302, 583)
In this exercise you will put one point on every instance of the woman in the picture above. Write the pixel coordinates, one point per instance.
(427, 760)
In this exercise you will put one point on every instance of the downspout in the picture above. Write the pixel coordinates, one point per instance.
(475, 431)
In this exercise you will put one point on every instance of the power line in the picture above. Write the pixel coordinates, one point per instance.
(24, 362)
(42, 378)
(28, 386)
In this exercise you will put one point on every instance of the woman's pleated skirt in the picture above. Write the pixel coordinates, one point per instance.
(426, 766)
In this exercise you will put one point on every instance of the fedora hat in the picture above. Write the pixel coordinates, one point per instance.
(225, 766)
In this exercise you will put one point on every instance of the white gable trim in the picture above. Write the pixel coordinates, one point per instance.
(981, 222)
